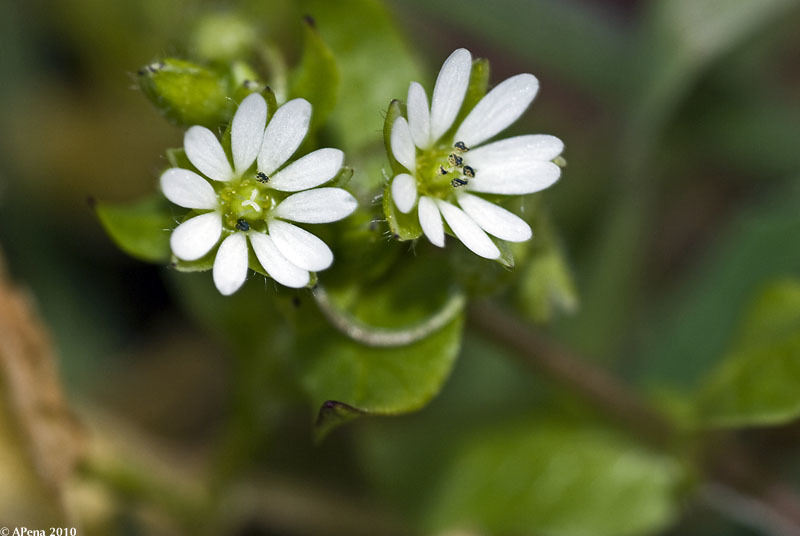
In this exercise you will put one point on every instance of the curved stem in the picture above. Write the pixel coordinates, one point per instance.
(386, 337)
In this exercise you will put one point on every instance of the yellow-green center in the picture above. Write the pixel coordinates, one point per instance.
(441, 170)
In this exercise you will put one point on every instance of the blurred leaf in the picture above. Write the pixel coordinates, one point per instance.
(546, 286)
(186, 93)
(222, 37)
(696, 321)
(545, 477)
(577, 41)
(140, 229)
(374, 61)
(757, 382)
(317, 78)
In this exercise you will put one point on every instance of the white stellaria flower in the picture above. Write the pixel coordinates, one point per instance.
(449, 166)
(239, 201)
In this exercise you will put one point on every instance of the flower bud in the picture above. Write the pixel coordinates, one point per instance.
(187, 93)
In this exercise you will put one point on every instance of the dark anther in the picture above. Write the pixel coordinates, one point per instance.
(461, 146)
(468, 171)
(458, 183)
(262, 177)
(455, 160)
(442, 171)
(242, 225)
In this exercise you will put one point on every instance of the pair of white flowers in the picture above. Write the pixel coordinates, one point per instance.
(256, 196)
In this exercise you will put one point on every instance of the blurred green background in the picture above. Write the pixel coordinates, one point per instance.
(678, 209)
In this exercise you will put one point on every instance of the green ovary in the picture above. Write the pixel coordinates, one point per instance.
(246, 200)
(430, 180)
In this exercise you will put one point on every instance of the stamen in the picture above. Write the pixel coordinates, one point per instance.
(262, 177)
(468, 171)
(455, 160)
(442, 171)
(242, 225)
(461, 147)
(459, 182)
(252, 201)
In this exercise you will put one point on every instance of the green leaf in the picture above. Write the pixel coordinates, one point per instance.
(378, 381)
(186, 93)
(374, 61)
(140, 229)
(317, 77)
(546, 477)
(757, 382)
(395, 341)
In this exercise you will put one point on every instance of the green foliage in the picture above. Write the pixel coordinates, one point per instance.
(403, 336)
(377, 381)
(375, 66)
(548, 477)
(186, 93)
(140, 229)
(756, 384)
(317, 77)
(697, 321)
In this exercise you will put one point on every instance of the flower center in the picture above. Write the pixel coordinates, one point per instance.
(245, 203)
(441, 170)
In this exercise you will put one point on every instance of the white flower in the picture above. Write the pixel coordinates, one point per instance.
(246, 201)
(448, 166)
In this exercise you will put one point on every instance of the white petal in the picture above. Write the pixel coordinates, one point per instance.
(275, 264)
(402, 144)
(320, 205)
(532, 147)
(448, 94)
(206, 154)
(498, 109)
(495, 220)
(419, 115)
(312, 170)
(247, 131)
(196, 236)
(230, 266)
(404, 192)
(285, 132)
(431, 221)
(300, 247)
(188, 189)
(519, 179)
(468, 231)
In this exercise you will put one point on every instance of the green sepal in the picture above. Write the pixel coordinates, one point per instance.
(403, 226)
(317, 78)
(141, 229)
(244, 81)
(396, 109)
(187, 93)
(177, 158)
(343, 177)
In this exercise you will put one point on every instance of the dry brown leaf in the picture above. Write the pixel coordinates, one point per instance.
(31, 392)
